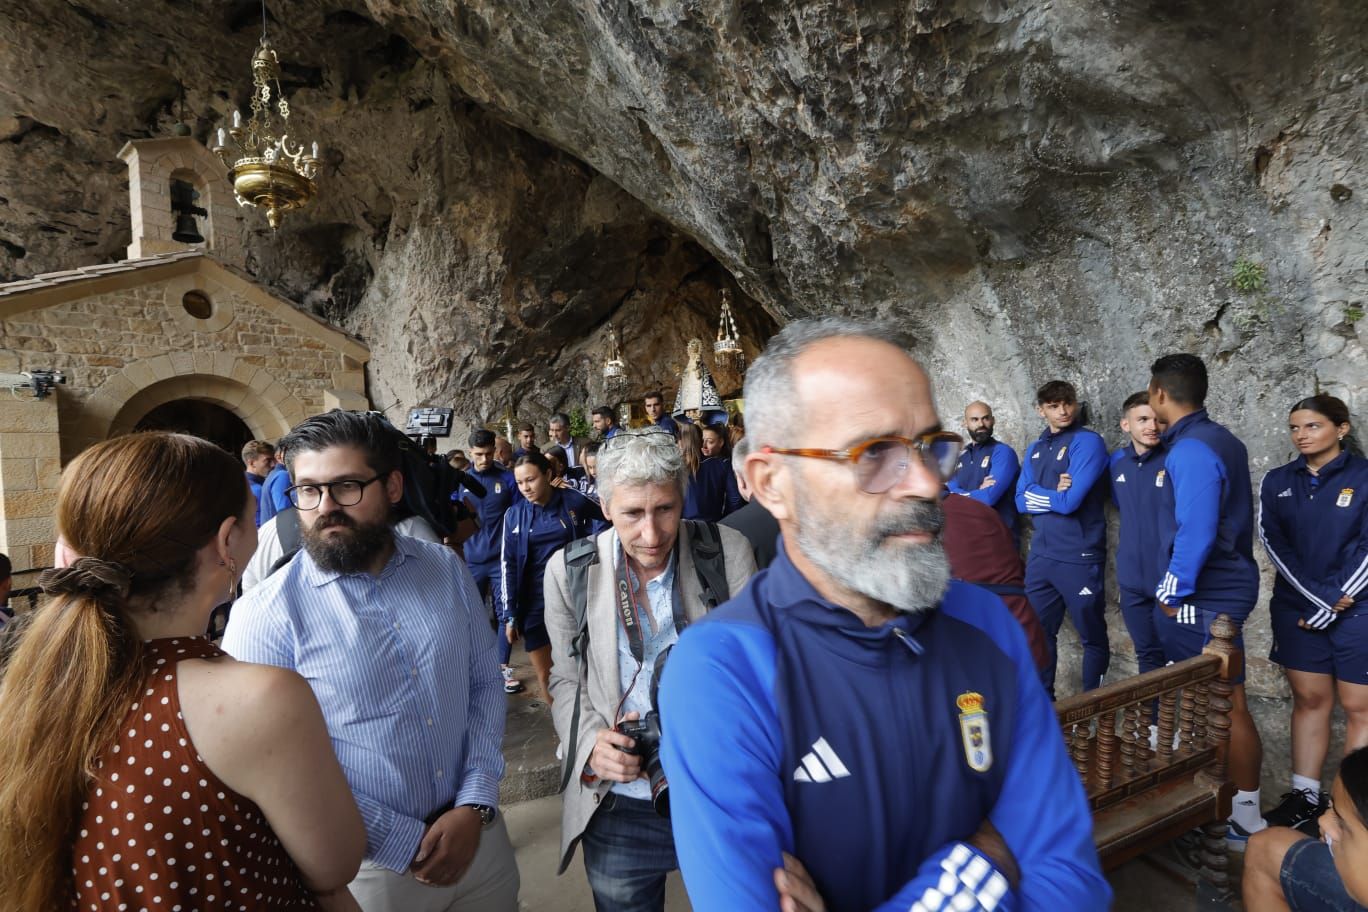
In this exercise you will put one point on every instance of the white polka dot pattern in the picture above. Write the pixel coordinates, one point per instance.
(182, 839)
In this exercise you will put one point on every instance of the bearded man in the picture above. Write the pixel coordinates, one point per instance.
(987, 469)
(392, 635)
(852, 731)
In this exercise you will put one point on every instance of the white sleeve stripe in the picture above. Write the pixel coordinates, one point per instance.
(974, 873)
(948, 884)
(1358, 580)
(991, 894)
(1282, 567)
(932, 900)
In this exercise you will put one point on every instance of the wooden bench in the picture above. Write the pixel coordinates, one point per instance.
(1143, 796)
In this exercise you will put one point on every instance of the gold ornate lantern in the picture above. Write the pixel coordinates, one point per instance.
(728, 339)
(267, 170)
(614, 369)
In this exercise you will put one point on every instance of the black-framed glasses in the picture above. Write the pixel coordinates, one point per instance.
(345, 493)
(884, 461)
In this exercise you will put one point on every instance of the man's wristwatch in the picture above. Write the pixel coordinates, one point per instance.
(486, 813)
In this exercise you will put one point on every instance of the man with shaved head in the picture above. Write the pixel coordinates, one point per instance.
(853, 730)
(987, 469)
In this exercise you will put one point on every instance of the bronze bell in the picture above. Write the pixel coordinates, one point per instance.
(187, 230)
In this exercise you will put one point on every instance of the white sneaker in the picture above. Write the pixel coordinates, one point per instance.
(511, 684)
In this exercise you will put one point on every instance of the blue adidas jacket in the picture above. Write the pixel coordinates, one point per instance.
(1069, 525)
(577, 512)
(1315, 529)
(500, 492)
(1206, 520)
(977, 462)
(273, 496)
(789, 726)
(1136, 482)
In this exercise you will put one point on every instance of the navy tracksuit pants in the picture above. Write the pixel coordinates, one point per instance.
(484, 577)
(1054, 587)
(1147, 624)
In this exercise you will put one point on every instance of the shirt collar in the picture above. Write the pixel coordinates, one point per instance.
(1182, 424)
(405, 548)
(1330, 468)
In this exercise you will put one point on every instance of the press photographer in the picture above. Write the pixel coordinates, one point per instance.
(615, 604)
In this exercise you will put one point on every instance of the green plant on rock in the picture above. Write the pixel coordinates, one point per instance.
(579, 425)
(1249, 276)
(1353, 313)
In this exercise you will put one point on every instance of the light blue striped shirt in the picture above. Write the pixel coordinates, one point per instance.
(405, 670)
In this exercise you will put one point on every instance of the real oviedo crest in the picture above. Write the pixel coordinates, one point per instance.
(973, 720)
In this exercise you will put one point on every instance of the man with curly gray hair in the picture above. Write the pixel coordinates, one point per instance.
(641, 582)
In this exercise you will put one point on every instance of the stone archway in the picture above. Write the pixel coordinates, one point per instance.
(250, 392)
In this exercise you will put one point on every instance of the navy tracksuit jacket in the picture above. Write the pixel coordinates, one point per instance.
(1064, 570)
(1206, 523)
(1315, 529)
(482, 549)
(870, 754)
(1136, 483)
(979, 461)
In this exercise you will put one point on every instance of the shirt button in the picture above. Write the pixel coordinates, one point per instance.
(415, 672)
(396, 625)
(439, 774)
(429, 721)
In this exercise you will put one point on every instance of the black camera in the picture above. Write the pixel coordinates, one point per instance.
(645, 735)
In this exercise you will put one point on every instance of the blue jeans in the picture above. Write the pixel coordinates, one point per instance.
(1310, 882)
(628, 850)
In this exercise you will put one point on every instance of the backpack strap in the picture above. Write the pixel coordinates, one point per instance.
(580, 555)
(288, 532)
(710, 563)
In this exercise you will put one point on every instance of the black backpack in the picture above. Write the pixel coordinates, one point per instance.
(709, 563)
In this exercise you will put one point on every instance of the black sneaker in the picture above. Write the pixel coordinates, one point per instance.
(1296, 809)
(1312, 827)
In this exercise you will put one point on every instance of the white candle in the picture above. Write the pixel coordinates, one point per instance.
(222, 137)
(237, 119)
(315, 150)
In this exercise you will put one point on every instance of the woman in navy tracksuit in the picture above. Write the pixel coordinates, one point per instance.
(1313, 520)
(712, 492)
(546, 519)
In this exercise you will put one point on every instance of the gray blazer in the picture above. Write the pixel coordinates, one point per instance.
(602, 690)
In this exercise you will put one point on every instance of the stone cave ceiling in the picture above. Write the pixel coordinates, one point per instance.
(1032, 188)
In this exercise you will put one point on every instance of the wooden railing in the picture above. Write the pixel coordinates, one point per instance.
(1146, 789)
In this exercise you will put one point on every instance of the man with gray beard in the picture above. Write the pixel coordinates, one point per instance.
(853, 730)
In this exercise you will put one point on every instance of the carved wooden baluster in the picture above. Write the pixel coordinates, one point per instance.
(1080, 747)
(1201, 705)
(1185, 722)
(1106, 747)
(1144, 753)
(1167, 724)
(1128, 738)
(1215, 859)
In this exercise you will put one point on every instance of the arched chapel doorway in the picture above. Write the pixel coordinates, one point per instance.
(201, 418)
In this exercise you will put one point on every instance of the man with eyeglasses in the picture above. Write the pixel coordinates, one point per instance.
(392, 635)
(1059, 489)
(853, 730)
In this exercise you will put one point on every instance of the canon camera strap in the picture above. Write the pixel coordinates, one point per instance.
(633, 612)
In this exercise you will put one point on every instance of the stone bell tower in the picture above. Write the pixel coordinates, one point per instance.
(180, 199)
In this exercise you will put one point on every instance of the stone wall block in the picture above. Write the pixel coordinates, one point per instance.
(183, 362)
(19, 474)
(162, 367)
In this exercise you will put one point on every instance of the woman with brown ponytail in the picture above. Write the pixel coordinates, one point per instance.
(140, 766)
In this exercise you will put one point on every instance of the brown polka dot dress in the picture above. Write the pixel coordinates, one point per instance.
(159, 832)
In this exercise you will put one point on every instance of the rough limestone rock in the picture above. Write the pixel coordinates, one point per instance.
(1036, 188)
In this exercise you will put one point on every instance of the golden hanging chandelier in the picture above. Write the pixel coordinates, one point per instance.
(267, 170)
(728, 339)
(614, 369)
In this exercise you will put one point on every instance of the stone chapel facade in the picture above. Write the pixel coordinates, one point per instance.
(176, 333)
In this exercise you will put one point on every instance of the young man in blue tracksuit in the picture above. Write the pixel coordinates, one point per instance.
(273, 496)
(1137, 478)
(482, 549)
(1206, 536)
(1313, 521)
(988, 468)
(850, 716)
(1059, 489)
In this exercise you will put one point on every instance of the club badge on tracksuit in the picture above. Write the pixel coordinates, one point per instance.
(978, 745)
(1345, 498)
